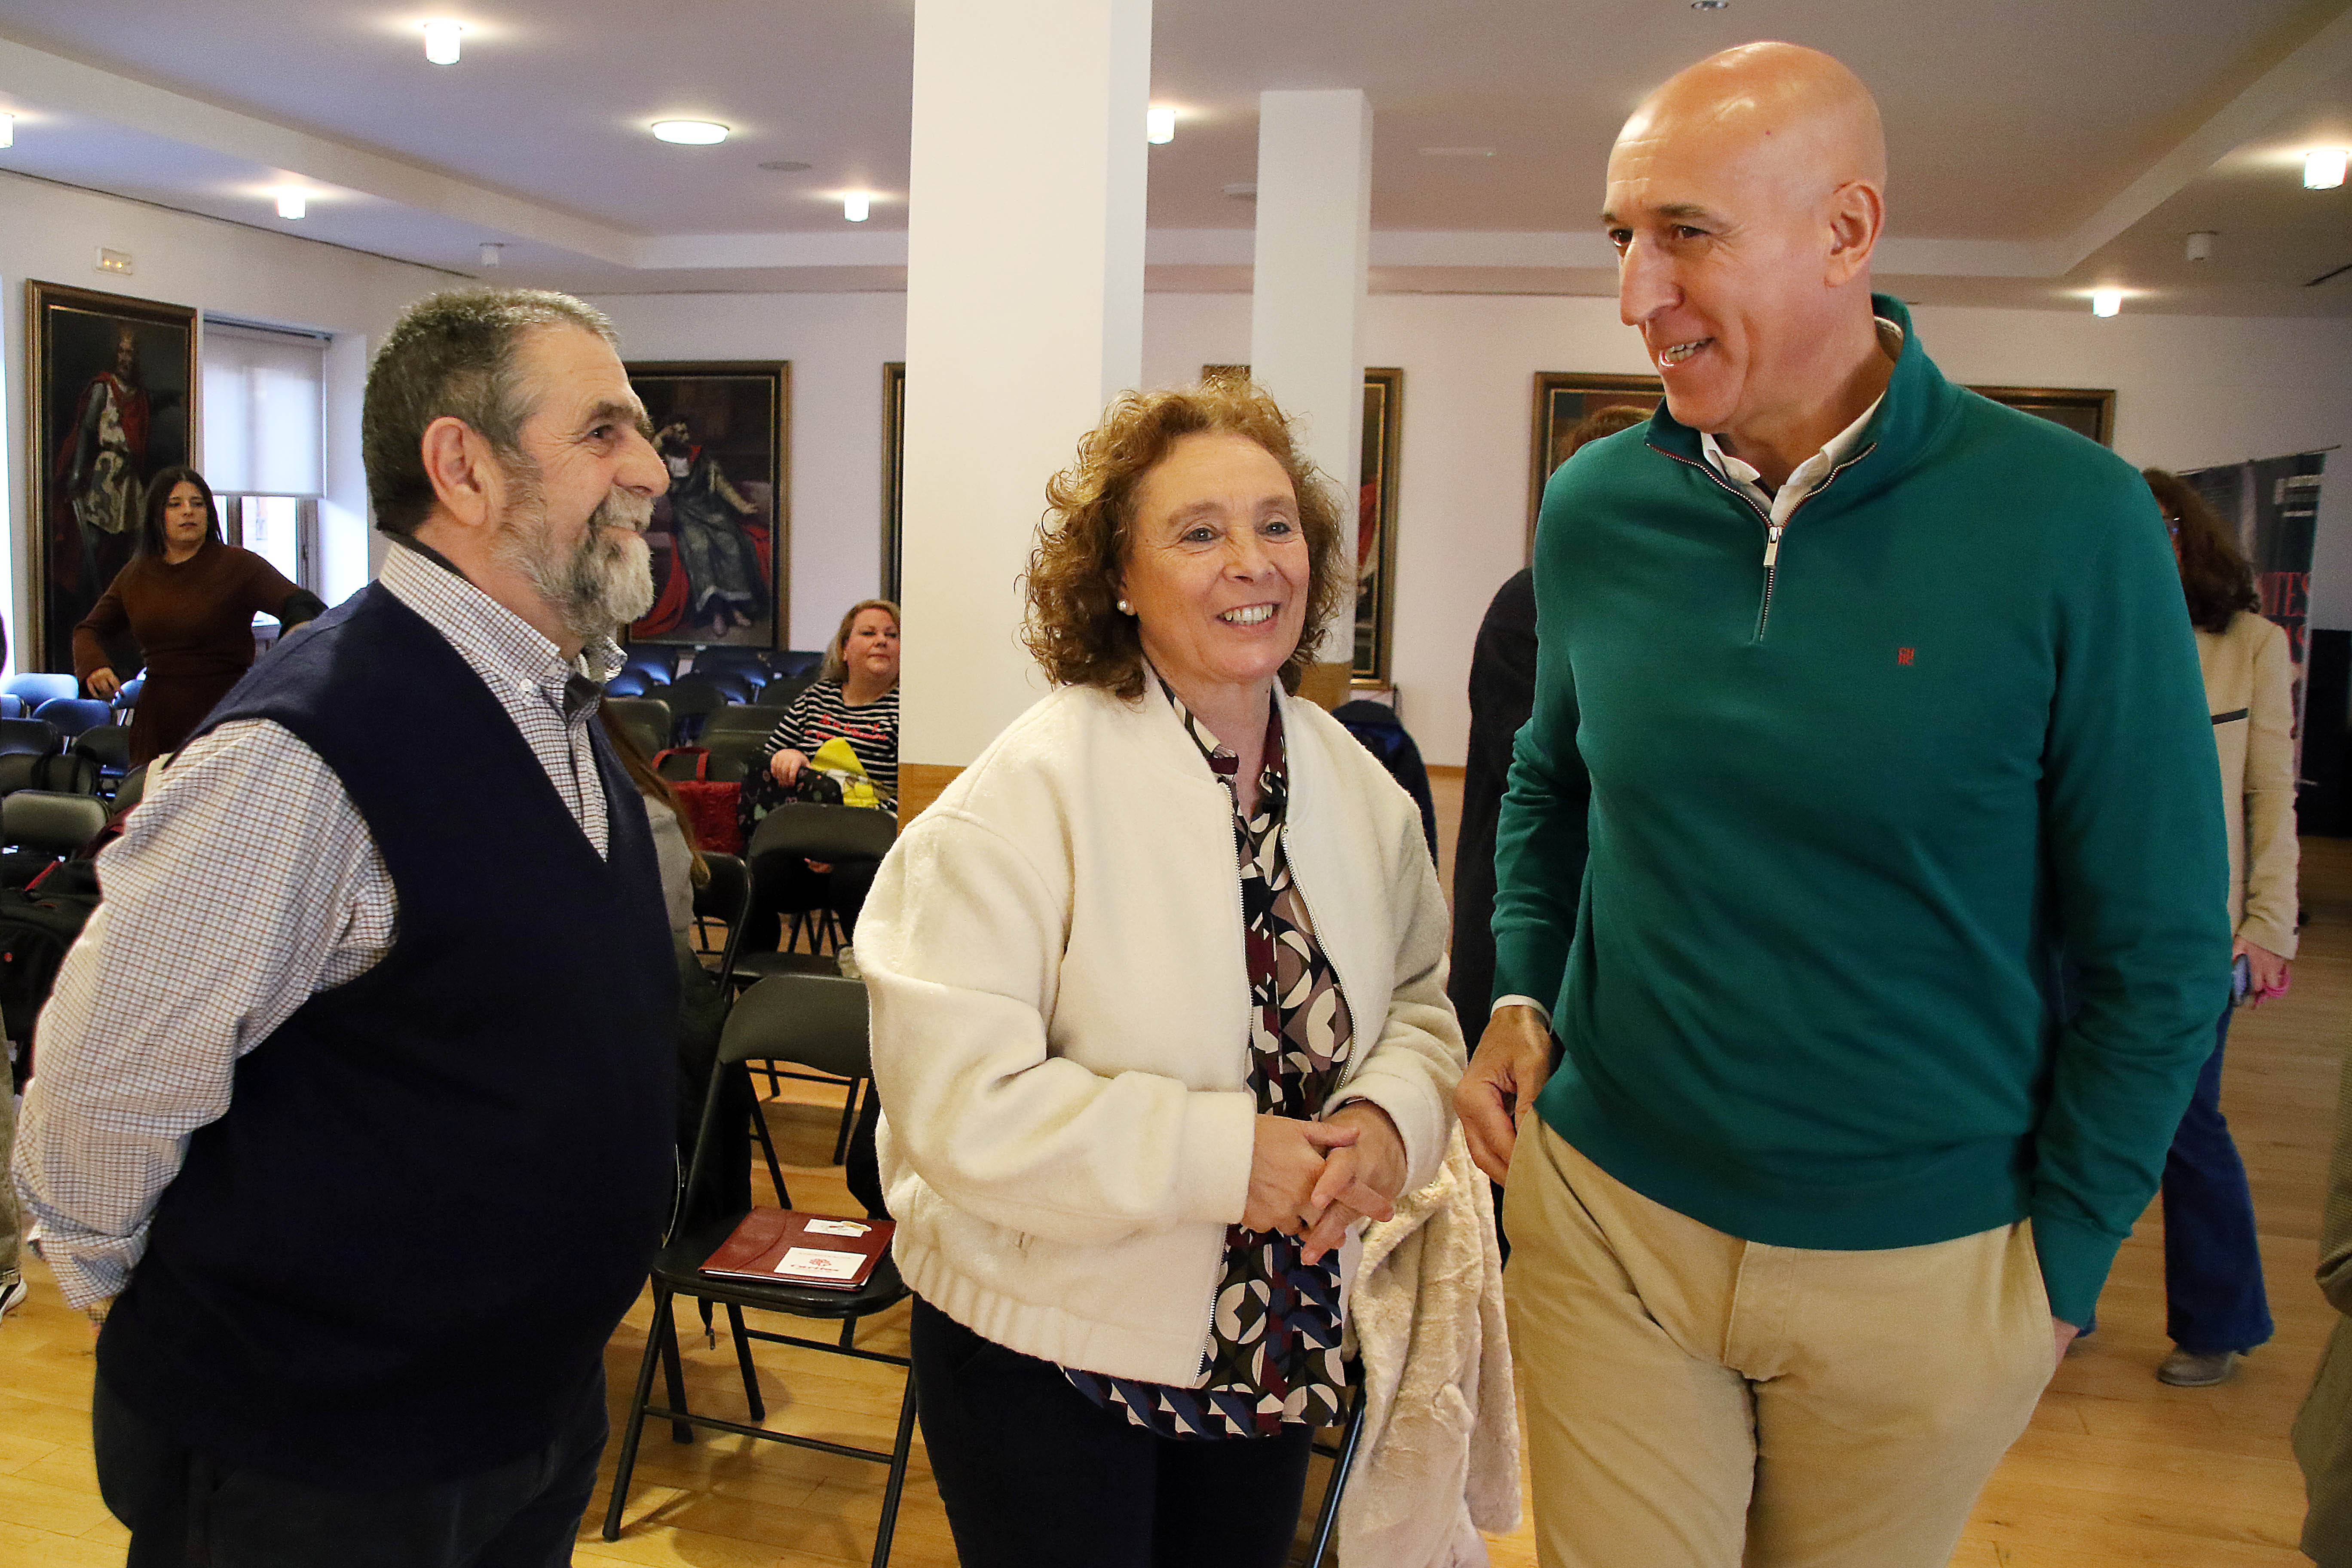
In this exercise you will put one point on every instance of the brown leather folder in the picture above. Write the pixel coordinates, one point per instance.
(785, 1246)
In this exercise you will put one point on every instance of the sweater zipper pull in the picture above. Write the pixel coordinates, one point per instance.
(1772, 543)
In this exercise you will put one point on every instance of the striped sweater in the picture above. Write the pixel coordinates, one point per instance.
(819, 714)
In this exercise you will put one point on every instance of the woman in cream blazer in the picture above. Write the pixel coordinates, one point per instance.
(1159, 1017)
(2214, 1273)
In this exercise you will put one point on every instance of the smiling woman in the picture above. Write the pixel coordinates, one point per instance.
(1128, 1144)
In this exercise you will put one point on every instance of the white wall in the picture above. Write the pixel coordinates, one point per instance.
(53, 233)
(2190, 391)
(837, 344)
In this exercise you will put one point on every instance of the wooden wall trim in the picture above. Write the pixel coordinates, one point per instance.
(920, 783)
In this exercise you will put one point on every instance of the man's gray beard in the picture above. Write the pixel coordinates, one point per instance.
(607, 579)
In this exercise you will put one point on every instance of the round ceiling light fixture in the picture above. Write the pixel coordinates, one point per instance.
(1710, 5)
(441, 42)
(2323, 170)
(690, 132)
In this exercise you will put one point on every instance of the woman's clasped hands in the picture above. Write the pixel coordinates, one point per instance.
(1315, 1179)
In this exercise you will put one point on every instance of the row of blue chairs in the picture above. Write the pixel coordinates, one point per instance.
(661, 662)
(45, 696)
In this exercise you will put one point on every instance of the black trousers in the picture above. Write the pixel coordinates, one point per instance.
(783, 884)
(185, 1511)
(1034, 1475)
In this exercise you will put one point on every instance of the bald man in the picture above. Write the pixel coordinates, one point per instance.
(1861, 702)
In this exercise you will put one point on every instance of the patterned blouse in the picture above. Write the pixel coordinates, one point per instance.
(1273, 1354)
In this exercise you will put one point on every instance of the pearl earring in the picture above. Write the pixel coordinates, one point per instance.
(1125, 608)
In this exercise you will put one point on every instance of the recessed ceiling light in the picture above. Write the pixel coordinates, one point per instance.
(690, 132)
(7, 130)
(292, 203)
(786, 166)
(1710, 5)
(2324, 170)
(1457, 151)
(2200, 245)
(1159, 126)
(2106, 301)
(854, 206)
(441, 42)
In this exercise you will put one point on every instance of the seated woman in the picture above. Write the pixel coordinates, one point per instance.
(856, 699)
(1158, 1017)
(189, 600)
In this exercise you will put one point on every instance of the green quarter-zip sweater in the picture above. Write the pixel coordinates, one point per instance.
(1796, 849)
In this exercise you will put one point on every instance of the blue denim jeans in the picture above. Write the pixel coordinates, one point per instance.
(2213, 1268)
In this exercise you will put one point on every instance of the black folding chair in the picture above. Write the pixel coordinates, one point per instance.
(28, 737)
(72, 715)
(733, 754)
(108, 746)
(739, 718)
(692, 698)
(132, 789)
(828, 834)
(41, 828)
(1341, 1452)
(647, 718)
(727, 900)
(794, 1018)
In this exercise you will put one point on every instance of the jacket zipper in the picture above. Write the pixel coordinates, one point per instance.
(1772, 531)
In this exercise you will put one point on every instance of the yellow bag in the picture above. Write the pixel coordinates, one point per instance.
(838, 758)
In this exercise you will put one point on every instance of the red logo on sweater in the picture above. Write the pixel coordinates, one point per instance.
(1902, 655)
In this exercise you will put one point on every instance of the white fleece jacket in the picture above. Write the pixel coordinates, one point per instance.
(1061, 1019)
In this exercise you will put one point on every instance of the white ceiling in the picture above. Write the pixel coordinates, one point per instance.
(2038, 147)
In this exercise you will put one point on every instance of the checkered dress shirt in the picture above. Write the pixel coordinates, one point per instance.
(245, 883)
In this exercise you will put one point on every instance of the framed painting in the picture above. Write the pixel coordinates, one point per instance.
(1376, 500)
(1563, 401)
(721, 536)
(894, 474)
(113, 401)
(2084, 411)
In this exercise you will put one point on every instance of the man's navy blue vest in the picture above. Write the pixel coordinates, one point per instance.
(396, 1258)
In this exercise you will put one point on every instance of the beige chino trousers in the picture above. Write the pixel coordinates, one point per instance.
(1697, 1401)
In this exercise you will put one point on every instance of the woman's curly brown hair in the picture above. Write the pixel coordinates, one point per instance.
(1075, 628)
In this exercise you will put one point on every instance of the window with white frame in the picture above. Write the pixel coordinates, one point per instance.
(265, 439)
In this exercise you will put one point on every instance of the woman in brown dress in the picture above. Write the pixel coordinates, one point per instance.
(190, 600)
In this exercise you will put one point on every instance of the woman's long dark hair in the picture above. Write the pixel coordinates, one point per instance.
(159, 490)
(640, 769)
(2215, 577)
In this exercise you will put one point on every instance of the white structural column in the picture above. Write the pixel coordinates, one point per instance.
(1314, 246)
(1024, 315)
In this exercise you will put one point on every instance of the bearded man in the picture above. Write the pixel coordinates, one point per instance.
(1860, 702)
(354, 1098)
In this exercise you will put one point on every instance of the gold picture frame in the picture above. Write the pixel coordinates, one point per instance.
(112, 399)
(728, 424)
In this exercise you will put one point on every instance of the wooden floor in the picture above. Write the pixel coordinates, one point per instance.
(2116, 1470)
